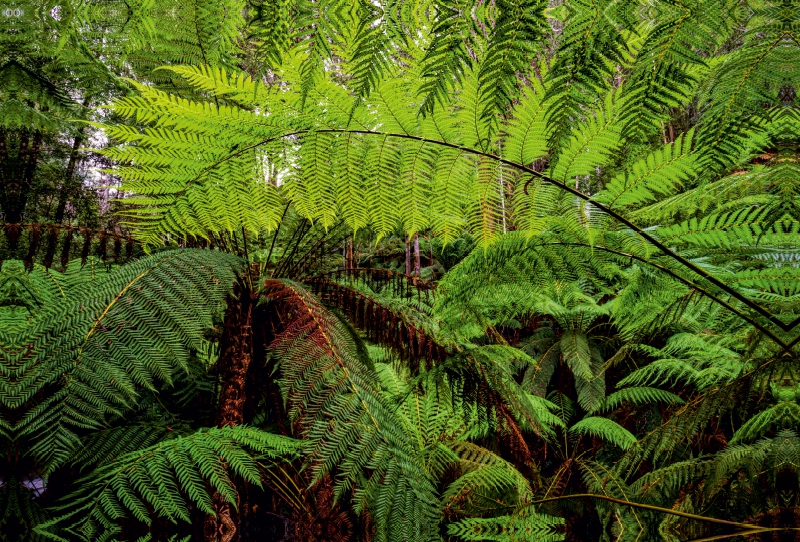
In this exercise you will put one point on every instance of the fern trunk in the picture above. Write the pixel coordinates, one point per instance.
(236, 349)
(235, 355)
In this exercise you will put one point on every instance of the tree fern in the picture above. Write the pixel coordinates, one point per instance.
(626, 170)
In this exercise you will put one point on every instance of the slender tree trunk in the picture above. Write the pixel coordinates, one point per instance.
(236, 347)
(30, 170)
(408, 256)
(66, 186)
(351, 254)
(416, 255)
(63, 196)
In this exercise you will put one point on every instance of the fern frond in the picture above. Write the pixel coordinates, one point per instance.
(525, 524)
(639, 396)
(123, 331)
(447, 56)
(348, 426)
(605, 429)
(162, 476)
(517, 27)
(659, 174)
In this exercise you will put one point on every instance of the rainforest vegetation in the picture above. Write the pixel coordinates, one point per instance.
(399, 270)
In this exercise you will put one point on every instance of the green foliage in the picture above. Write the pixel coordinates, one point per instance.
(625, 325)
(99, 344)
(605, 429)
(524, 525)
(346, 424)
(147, 481)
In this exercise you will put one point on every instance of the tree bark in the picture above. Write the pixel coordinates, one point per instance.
(236, 347)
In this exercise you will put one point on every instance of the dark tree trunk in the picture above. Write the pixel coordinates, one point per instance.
(235, 353)
(67, 186)
(247, 388)
(236, 348)
(263, 396)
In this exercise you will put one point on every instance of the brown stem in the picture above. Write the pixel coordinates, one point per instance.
(350, 254)
(649, 507)
(236, 347)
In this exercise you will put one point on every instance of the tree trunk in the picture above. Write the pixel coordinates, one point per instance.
(66, 186)
(235, 354)
(408, 256)
(350, 254)
(416, 255)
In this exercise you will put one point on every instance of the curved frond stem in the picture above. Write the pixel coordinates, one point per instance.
(765, 330)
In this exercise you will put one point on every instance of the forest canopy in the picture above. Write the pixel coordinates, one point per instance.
(380, 270)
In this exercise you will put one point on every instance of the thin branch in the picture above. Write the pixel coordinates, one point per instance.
(670, 511)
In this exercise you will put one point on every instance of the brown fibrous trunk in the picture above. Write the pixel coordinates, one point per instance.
(236, 347)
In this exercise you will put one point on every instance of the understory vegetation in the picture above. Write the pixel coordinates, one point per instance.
(371, 270)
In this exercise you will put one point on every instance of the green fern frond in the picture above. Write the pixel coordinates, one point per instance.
(605, 429)
(517, 27)
(447, 57)
(525, 524)
(639, 396)
(659, 174)
(157, 478)
(112, 336)
(347, 425)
